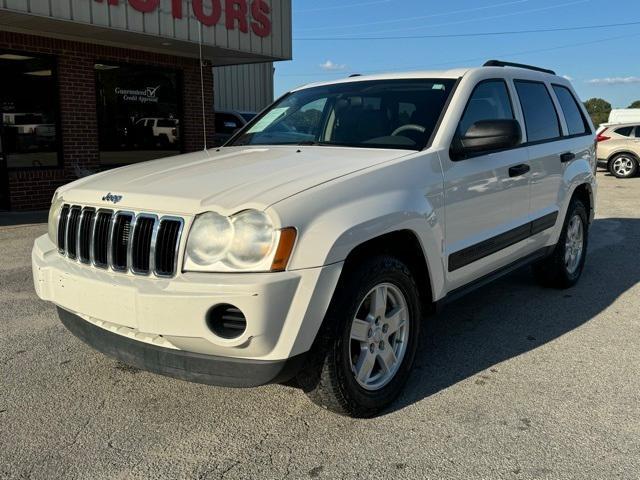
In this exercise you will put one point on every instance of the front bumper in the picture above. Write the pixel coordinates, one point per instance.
(193, 367)
(283, 310)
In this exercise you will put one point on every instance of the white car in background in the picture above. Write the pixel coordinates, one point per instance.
(164, 130)
(313, 244)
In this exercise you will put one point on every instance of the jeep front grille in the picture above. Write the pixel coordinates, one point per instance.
(140, 243)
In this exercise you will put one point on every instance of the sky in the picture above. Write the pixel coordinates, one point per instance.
(601, 62)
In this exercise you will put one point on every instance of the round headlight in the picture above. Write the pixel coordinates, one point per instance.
(253, 238)
(209, 239)
(54, 211)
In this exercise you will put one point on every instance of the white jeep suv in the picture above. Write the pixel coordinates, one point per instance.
(313, 243)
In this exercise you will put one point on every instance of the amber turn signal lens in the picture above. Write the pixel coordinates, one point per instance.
(285, 247)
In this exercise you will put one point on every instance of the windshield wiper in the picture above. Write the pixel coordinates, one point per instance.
(310, 143)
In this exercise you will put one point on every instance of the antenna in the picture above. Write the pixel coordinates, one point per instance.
(204, 115)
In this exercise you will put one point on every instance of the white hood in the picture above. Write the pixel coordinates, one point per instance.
(231, 179)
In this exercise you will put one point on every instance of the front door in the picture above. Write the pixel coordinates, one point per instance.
(4, 178)
(486, 196)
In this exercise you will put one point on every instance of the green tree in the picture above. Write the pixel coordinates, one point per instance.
(598, 109)
(635, 104)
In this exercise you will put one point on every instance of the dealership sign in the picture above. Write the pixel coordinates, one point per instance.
(241, 14)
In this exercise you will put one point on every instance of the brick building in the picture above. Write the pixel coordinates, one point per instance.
(88, 85)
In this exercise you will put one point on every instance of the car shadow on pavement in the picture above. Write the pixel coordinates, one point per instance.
(514, 315)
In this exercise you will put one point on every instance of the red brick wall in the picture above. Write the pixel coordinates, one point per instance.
(32, 189)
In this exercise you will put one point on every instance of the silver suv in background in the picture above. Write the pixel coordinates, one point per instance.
(229, 122)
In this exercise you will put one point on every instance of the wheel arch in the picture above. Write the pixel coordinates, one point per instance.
(584, 193)
(406, 246)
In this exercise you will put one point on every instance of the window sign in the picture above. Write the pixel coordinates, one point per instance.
(138, 113)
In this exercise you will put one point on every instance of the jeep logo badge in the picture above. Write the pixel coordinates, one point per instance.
(109, 197)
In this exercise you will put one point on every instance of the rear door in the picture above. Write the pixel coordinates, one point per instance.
(545, 145)
(487, 202)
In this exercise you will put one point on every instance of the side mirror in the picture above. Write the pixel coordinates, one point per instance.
(486, 136)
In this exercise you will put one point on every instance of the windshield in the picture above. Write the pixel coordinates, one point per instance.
(367, 114)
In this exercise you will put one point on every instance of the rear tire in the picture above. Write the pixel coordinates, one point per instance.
(562, 269)
(365, 350)
(623, 166)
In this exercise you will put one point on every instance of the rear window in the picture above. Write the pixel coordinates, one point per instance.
(576, 122)
(166, 123)
(624, 131)
(540, 116)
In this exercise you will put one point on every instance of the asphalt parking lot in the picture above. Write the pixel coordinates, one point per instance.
(513, 381)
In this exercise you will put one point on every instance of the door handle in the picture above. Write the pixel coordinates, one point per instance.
(519, 170)
(567, 157)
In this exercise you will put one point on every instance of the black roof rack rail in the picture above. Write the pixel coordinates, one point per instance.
(500, 63)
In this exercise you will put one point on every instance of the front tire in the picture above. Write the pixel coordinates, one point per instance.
(623, 166)
(563, 268)
(367, 345)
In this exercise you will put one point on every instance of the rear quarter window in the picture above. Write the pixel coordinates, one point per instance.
(540, 116)
(576, 123)
(624, 131)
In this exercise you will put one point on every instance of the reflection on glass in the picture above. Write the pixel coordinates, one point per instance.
(398, 114)
(138, 113)
(28, 111)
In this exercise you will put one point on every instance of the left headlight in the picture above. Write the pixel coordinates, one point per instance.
(54, 211)
(246, 241)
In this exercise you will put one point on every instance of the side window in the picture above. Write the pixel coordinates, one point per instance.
(226, 123)
(540, 116)
(576, 123)
(624, 131)
(489, 101)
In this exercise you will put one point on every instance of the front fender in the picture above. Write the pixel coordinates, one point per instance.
(335, 218)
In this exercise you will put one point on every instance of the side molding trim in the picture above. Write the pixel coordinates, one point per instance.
(476, 252)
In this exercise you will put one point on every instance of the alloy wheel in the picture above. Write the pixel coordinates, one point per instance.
(574, 244)
(623, 166)
(379, 336)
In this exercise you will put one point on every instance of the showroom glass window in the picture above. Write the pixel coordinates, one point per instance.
(139, 113)
(28, 111)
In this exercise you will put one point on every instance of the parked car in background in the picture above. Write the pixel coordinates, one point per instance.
(619, 148)
(228, 122)
(624, 115)
(163, 132)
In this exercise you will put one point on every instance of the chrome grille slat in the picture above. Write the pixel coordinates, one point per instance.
(62, 228)
(120, 241)
(100, 238)
(142, 236)
(85, 230)
(71, 239)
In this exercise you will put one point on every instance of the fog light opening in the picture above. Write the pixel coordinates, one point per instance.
(226, 321)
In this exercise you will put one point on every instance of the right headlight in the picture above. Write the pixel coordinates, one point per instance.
(246, 241)
(54, 215)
